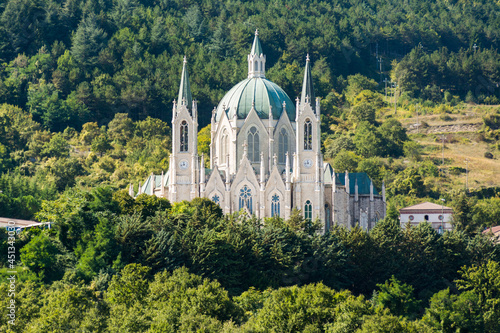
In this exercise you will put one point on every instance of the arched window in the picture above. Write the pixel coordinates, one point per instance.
(224, 146)
(275, 205)
(282, 146)
(308, 210)
(246, 198)
(256, 66)
(308, 135)
(253, 145)
(184, 136)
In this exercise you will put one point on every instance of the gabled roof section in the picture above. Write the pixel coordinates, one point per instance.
(425, 206)
(256, 47)
(307, 87)
(362, 179)
(146, 187)
(185, 88)
(328, 174)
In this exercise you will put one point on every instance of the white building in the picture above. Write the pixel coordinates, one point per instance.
(265, 155)
(439, 216)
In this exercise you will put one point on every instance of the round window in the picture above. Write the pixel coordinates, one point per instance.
(411, 217)
(441, 217)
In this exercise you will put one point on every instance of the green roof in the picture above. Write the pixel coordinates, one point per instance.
(260, 91)
(307, 86)
(363, 182)
(256, 47)
(185, 88)
(146, 187)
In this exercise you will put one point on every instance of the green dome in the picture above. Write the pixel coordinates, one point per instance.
(263, 93)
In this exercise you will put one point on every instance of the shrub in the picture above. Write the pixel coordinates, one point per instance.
(456, 170)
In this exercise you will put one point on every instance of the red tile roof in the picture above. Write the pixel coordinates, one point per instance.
(493, 230)
(425, 206)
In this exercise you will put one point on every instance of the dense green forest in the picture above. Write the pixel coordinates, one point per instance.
(69, 62)
(86, 90)
(125, 265)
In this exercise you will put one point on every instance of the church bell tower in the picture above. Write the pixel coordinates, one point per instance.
(184, 165)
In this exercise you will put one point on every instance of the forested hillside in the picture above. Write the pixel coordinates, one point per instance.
(69, 62)
(409, 94)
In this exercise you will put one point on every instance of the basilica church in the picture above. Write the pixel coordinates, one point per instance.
(265, 156)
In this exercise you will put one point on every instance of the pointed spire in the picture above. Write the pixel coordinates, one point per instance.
(256, 47)
(307, 86)
(185, 88)
(256, 59)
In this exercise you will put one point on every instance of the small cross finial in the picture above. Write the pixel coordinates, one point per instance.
(284, 105)
(307, 57)
(253, 103)
(256, 32)
(275, 159)
(185, 60)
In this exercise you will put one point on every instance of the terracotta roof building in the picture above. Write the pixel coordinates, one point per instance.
(439, 216)
(494, 231)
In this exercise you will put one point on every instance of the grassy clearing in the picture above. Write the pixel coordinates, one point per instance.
(483, 172)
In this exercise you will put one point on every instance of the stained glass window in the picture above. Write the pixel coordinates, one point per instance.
(275, 205)
(246, 198)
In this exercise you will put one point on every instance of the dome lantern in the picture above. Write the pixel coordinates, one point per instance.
(256, 59)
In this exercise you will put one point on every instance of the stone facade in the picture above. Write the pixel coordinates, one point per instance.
(265, 156)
